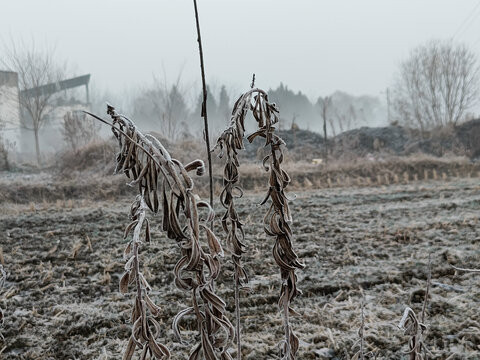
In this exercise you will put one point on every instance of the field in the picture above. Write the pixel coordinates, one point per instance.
(64, 260)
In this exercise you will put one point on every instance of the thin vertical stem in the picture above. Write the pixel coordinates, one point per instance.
(136, 262)
(136, 265)
(362, 329)
(204, 103)
(237, 314)
(286, 322)
(425, 300)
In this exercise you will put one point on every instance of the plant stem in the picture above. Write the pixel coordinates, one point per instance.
(204, 104)
(425, 300)
(286, 322)
(136, 244)
(362, 327)
(136, 264)
(237, 314)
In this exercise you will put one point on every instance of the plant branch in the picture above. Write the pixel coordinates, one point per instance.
(164, 184)
(204, 104)
(467, 270)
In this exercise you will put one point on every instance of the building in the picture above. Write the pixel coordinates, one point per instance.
(9, 108)
(64, 96)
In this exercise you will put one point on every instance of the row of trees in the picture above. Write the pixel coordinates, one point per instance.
(165, 108)
(436, 86)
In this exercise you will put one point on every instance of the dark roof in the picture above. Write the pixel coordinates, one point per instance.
(8, 78)
(57, 86)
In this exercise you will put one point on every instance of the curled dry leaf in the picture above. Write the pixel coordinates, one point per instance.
(3, 276)
(213, 243)
(128, 354)
(164, 184)
(414, 329)
(124, 283)
(278, 217)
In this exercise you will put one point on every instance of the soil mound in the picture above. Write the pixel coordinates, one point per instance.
(390, 139)
(469, 136)
(461, 140)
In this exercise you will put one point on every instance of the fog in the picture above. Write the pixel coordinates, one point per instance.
(316, 47)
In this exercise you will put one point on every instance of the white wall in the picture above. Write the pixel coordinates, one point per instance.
(9, 108)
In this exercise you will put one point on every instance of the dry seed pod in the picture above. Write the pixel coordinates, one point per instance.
(3, 276)
(277, 219)
(146, 329)
(164, 183)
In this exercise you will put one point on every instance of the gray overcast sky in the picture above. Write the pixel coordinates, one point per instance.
(311, 45)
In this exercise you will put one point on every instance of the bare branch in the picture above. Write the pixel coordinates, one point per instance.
(437, 84)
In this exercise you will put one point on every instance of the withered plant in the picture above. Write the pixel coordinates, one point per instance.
(164, 184)
(232, 140)
(77, 130)
(360, 354)
(278, 217)
(360, 343)
(146, 329)
(204, 113)
(3, 276)
(415, 328)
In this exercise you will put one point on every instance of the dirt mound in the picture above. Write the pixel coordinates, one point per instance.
(461, 140)
(390, 139)
(300, 144)
(469, 136)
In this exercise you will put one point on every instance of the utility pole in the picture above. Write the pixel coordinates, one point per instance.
(294, 130)
(388, 106)
(325, 103)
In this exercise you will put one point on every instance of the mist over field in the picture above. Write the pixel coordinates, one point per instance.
(219, 180)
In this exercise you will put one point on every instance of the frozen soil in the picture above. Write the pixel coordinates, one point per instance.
(64, 261)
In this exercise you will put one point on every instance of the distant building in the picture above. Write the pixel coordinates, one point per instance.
(17, 120)
(9, 107)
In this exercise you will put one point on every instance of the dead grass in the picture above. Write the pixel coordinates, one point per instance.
(95, 157)
(365, 172)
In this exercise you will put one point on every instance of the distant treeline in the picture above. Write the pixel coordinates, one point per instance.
(172, 111)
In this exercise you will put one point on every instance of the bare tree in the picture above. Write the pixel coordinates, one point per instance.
(436, 86)
(224, 108)
(325, 104)
(164, 106)
(38, 76)
(78, 130)
(345, 118)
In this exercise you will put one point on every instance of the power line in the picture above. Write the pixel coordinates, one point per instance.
(467, 22)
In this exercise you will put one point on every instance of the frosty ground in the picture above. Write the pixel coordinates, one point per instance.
(64, 260)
